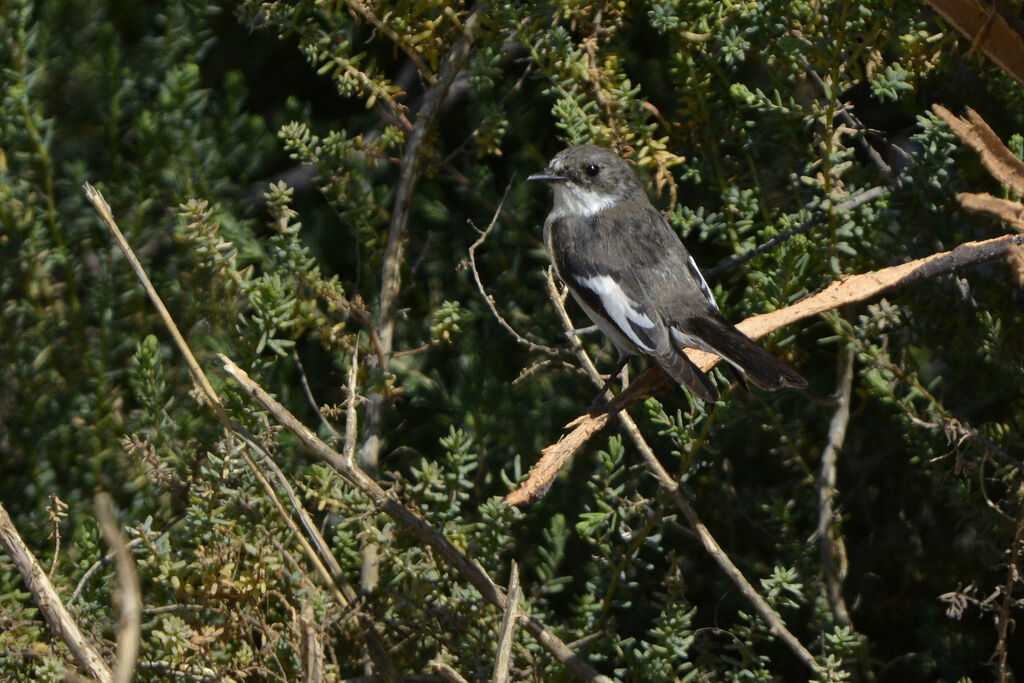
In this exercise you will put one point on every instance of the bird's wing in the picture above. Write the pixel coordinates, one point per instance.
(601, 290)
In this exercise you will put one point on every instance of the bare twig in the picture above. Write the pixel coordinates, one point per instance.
(93, 568)
(488, 299)
(850, 289)
(312, 650)
(774, 622)
(507, 629)
(206, 389)
(411, 522)
(669, 485)
(57, 510)
(394, 257)
(351, 420)
(309, 395)
(818, 217)
(447, 672)
(833, 550)
(127, 597)
(412, 168)
(558, 301)
(44, 595)
(1004, 622)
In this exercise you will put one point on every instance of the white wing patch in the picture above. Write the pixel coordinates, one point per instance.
(699, 277)
(620, 308)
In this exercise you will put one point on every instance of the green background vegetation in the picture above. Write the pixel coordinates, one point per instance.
(252, 155)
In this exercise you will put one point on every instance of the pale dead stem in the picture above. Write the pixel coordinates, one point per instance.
(668, 484)
(127, 597)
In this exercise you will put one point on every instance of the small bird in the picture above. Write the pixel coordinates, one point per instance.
(633, 277)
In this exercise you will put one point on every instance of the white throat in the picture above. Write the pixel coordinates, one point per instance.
(573, 200)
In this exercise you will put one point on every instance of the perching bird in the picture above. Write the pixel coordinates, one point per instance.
(633, 277)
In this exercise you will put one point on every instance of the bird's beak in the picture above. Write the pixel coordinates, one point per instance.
(548, 176)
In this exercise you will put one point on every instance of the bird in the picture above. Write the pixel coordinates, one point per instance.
(631, 274)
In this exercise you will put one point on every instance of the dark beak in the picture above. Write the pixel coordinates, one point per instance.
(547, 176)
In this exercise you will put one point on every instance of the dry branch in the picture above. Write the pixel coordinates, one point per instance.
(830, 543)
(506, 632)
(989, 31)
(1004, 209)
(850, 289)
(646, 384)
(995, 156)
(413, 161)
(488, 299)
(49, 603)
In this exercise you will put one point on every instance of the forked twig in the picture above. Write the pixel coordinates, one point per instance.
(488, 299)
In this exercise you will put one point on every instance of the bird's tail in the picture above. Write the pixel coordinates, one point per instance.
(762, 368)
(681, 369)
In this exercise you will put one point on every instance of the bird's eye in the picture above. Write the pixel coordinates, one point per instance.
(592, 170)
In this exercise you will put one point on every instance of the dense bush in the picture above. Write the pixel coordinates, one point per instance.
(302, 183)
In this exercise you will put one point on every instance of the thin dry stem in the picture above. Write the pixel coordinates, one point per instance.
(413, 161)
(506, 631)
(642, 385)
(1004, 622)
(832, 548)
(127, 597)
(488, 299)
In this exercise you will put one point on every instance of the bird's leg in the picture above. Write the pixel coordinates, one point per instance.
(599, 399)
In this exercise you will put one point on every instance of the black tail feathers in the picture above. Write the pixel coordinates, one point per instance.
(762, 368)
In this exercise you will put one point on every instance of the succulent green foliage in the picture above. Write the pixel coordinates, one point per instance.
(254, 156)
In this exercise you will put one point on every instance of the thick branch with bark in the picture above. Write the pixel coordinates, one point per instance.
(48, 601)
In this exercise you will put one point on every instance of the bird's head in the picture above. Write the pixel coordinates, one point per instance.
(587, 179)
